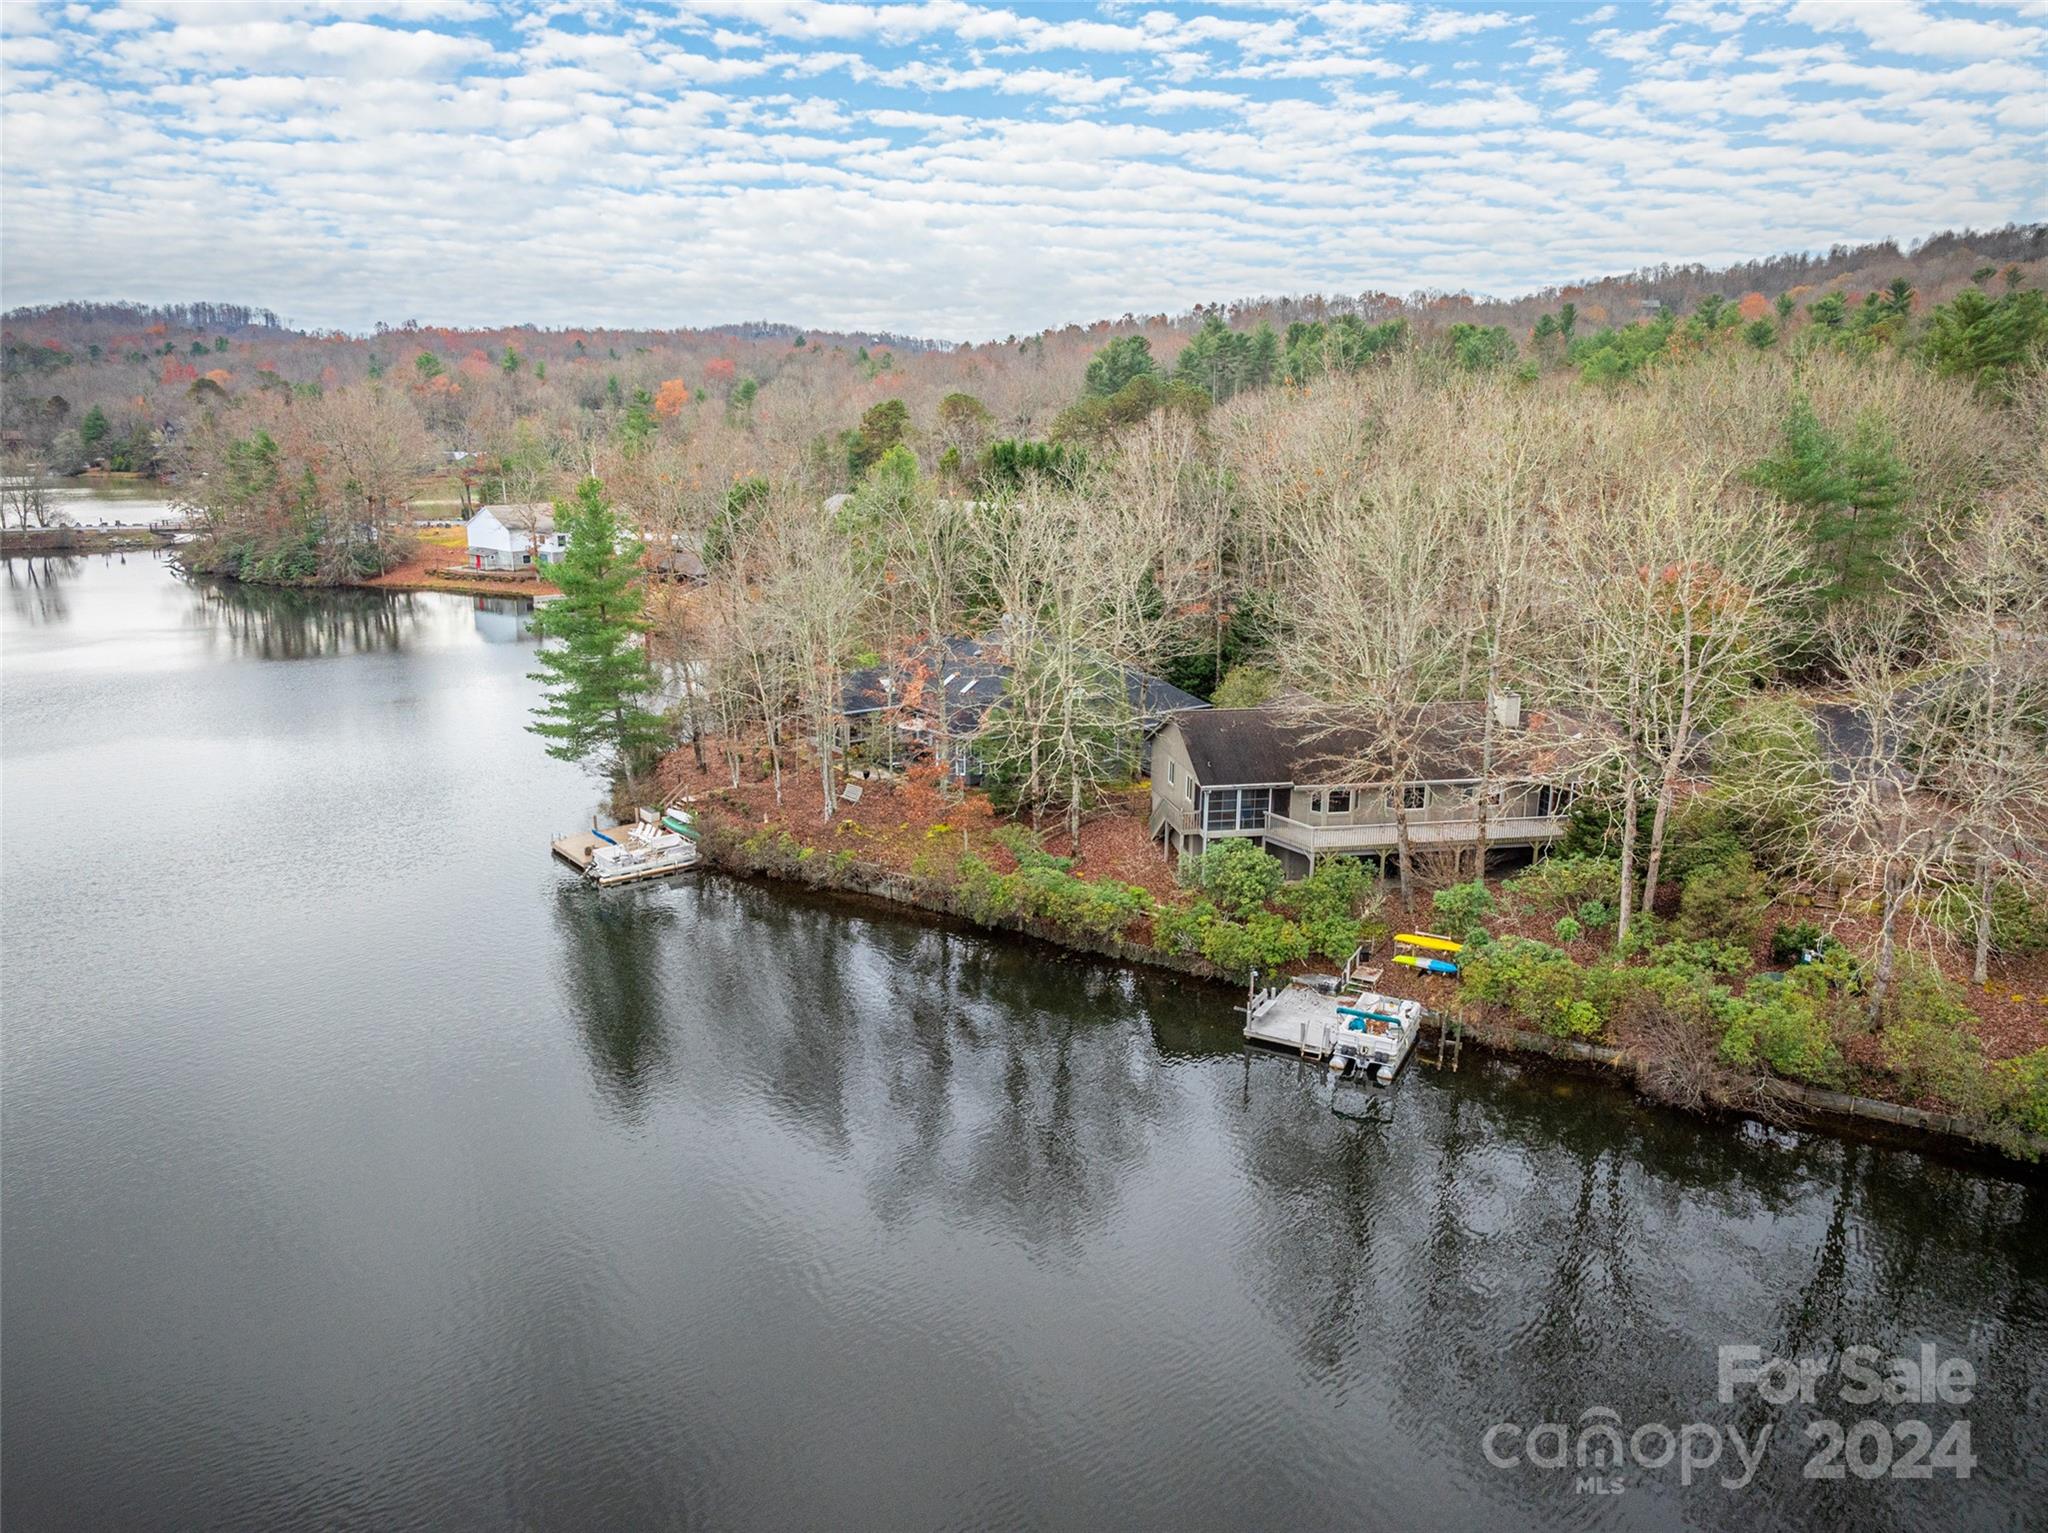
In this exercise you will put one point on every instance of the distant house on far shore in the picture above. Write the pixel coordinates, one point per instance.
(511, 537)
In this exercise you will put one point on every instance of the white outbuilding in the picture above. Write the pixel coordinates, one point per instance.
(511, 537)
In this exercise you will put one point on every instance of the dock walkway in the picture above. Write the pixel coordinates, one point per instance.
(576, 850)
(1294, 1021)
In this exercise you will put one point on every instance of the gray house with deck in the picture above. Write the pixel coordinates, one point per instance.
(1308, 791)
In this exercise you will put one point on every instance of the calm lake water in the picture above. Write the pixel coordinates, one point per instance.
(358, 1168)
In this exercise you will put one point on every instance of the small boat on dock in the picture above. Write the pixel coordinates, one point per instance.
(653, 845)
(1358, 1033)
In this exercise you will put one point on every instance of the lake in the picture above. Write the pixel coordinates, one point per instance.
(358, 1167)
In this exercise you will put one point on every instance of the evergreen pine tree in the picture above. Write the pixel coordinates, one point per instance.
(597, 677)
(1851, 491)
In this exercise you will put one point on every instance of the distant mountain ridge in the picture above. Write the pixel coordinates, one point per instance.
(1948, 258)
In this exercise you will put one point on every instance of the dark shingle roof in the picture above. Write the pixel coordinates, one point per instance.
(973, 676)
(1284, 745)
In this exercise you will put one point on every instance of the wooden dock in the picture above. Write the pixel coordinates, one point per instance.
(1295, 1022)
(576, 849)
(579, 848)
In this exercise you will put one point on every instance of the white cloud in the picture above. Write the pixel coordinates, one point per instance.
(1441, 26)
(875, 163)
(1904, 26)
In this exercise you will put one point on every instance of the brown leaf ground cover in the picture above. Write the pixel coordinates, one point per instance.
(438, 550)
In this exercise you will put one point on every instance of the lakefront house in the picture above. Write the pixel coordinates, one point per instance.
(1307, 791)
(511, 537)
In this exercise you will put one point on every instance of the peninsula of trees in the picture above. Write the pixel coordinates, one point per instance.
(1775, 538)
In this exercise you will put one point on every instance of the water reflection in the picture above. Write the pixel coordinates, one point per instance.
(504, 619)
(35, 587)
(613, 959)
(1505, 1243)
(281, 623)
(703, 1203)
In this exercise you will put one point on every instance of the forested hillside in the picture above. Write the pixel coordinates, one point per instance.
(1776, 546)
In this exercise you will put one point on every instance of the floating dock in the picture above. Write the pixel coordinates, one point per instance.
(1293, 1020)
(652, 847)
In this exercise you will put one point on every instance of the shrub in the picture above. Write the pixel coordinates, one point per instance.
(1929, 1040)
(1596, 915)
(1462, 908)
(1244, 686)
(1704, 834)
(1021, 844)
(1559, 883)
(2020, 1091)
(1645, 931)
(1793, 940)
(1786, 1029)
(1265, 941)
(1534, 981)
(1703, 957)
(1044, 892)
(1177, 928)
(1568, 929)
(1327, 905)
(985, 894)
(1723, 900)
(2019, 926)
(1591, 827)
(1239, 876)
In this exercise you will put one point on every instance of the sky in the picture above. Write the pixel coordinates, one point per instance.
(968, 171)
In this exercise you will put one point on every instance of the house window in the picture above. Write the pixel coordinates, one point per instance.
(1187, 790)
(1172, 774)
(1315, 803)
(1415, 795)
(1340, 801)
(1236, 808)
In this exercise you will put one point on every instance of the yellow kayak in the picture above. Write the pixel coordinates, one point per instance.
(1425, 940)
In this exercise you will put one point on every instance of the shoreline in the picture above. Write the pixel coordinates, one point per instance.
(51, 542)
(1868, 1119)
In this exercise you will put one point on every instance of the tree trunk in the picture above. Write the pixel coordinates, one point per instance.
(1406, 853)
(1887, 943)
(1486, 762)
(1667, 790)
(690, 717)
(1628, 858)
(825, 769)
(1980, 967)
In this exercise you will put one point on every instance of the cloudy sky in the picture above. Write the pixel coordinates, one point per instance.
(970, 170)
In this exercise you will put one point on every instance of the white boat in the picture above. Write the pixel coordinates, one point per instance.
(1355, 1032)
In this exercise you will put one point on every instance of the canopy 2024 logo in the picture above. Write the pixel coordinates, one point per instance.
(1600, 1453)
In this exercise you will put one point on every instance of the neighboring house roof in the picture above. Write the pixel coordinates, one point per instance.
(1284, 745)
(967, 671)
(1845, 737)
(526, 516)
(972, 675)
(1156, 698)
(681, 560)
